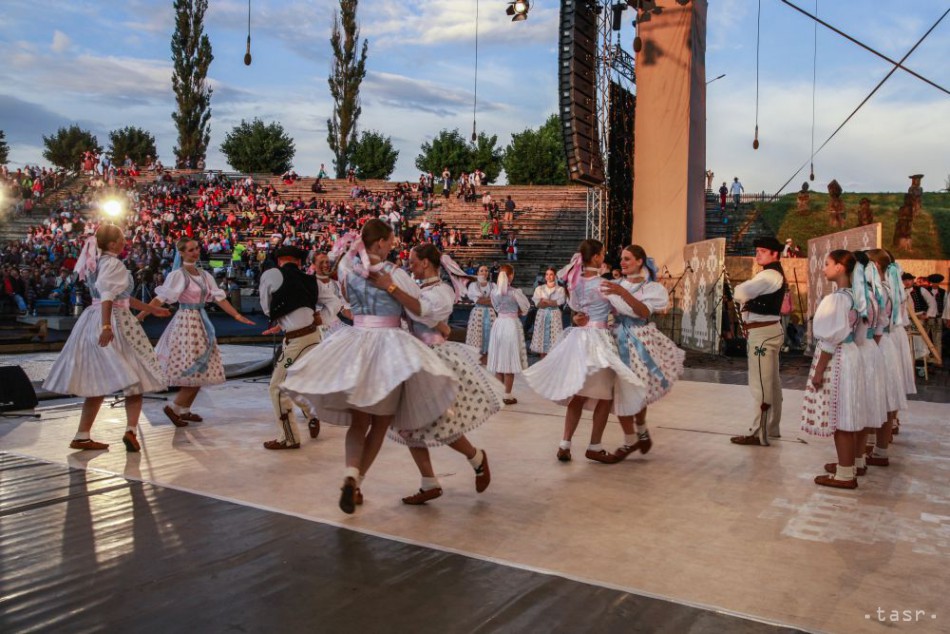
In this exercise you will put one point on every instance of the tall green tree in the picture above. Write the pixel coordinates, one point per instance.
(486, 156)
(536, 157)
(65, 148)
(136, 143)
(345, 78)
(191, 57)
(374, 156)
(448, 149)
(4, 149)
(258, 147)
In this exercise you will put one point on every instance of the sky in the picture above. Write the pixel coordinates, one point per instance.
(106, 64)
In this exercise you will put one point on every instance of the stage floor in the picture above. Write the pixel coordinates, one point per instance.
(697, 523)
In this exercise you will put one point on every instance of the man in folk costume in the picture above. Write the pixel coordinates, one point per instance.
(938, 307)
(761, 299)
(289, 297)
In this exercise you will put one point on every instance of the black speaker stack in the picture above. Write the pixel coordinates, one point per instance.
(577, 82)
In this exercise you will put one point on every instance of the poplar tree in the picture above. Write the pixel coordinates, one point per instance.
(191, 56)
(345, 78)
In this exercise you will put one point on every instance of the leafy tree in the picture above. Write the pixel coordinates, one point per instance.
(4, 149)
(65, 148)
(191, 57)
(373, 156)
(136, 143)
(447, 149)
(345, 78)
(259, 147)
(536, 157)
(450, 149)
(486, 156)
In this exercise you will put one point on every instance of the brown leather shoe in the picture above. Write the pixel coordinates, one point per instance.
(87, 445)
(601, 456)
(644, 443)
(509, 401)
(191, 417)
(358, 497)
(623, 451)
(482, 474)
(131, 442)
(348, 496)
(830, 481)
(877, 461)
(751, 439)
(314, 426)
(564, 455)
(281, 444)
(423, 496)
(174, 417)
(832, 468)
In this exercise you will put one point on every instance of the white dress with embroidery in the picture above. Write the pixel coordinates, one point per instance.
(895, 386)
(840, 403)
(128, 364)
(188, 350)
(482, 317)
(480, 394)
(873, 364)
(548, 328)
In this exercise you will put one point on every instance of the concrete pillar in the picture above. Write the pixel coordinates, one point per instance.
(670, 132)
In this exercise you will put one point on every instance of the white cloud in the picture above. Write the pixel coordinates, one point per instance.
(61, 42)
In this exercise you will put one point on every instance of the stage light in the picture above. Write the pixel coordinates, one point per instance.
(518, 9)
(112, 208)
(247, 54)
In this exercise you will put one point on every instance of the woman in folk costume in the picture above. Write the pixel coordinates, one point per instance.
(107, 351)
(549, 297)
(507, 355)
(660, 360)
(899, 335)
(482, 317)
(585, 369)
(331, 304)
(888, 332)
(834, 403)
(873, 361)
(372, 375)
(479, 395)
(188, 351)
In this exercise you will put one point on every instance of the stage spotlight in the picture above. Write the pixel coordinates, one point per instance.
(247, 54)
(112, 208)
(617, 9)
(518, 9)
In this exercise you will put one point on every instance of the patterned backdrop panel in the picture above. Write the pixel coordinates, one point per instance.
(857, 239)
(702, 295)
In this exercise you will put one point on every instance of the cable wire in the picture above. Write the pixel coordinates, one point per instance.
(475, 100)
(814, 84)
(758, 37)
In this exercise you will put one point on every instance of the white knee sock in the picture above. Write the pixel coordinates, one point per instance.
(597, 447)
(565, 444)
(81, 435)
(429, 483)
(844, 473)
(352, 472)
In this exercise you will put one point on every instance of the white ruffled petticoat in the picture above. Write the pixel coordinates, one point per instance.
(359, 368)
(894, 386)
(872, 362)
(581, 363)
(479, 398)
(902, 344)
(128, 364)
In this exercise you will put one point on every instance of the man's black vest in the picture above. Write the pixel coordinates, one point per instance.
(941, 296)
(770, 303)
(298, 290)
(917, 297)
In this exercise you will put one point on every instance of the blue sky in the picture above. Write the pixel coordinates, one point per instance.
(106, 64)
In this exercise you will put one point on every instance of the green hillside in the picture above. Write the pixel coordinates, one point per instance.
(931, 233)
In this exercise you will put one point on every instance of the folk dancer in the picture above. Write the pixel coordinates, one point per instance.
(585, 368)
(107, 350)
(761, 301)
(372, 375)
(548, 298)
(188, 351)
(479, 395)
(289, 298)
(661, 360)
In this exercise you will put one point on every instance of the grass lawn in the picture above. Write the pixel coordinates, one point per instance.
(931, 233)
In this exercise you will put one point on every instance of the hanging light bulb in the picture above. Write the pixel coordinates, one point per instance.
(755, 141)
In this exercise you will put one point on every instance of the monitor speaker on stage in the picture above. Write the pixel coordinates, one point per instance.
(16, 390)
(577, 85)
